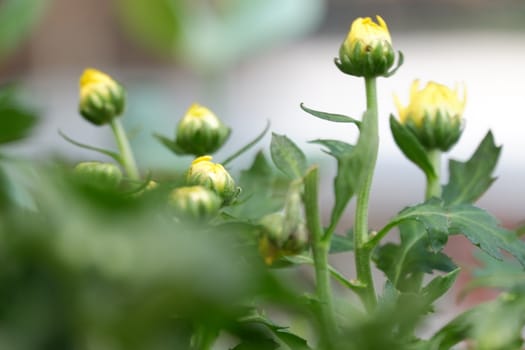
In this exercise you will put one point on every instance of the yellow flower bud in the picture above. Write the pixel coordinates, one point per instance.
(99, 175)
(367, 50)
(200, 132)
(194, 202)
(101, 97)
(434, 114)
(211, 175)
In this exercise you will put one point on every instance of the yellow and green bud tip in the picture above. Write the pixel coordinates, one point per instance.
(367, 50)
(200, 132)
(213, 176)
(101, 97)
(434, 114)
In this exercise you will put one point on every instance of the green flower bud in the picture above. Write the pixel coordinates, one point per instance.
(434, 115)
(284, 233)
(98, 175)
(194, 202)
(367, 50)
(200, 132)
(211, 175)
(101, 97)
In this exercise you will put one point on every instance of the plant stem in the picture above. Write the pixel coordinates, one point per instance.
(434, 183)
(362, 251)
(126, 154)
(320, 250)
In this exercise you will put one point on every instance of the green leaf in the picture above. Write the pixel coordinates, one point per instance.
(470, 179)
(404, 263)
(336, 148)
(106, 152)
(248, 145)
(338, 118)
(341, 244)
(495, 325)
(411, 147)
(287, 156)
(350, 165)
(439, 286)
(482, 229)
(170, 144)
(293, 341)
(263, 190)
(16, 121)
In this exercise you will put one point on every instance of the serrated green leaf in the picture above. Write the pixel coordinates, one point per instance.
(404, 263)
(477, 225)
(470, 179)
(287, 157)
(338, 118)
(411, 147)
(483, 230)
(439, 286)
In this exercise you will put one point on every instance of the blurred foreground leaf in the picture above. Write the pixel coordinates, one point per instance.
(16, 121)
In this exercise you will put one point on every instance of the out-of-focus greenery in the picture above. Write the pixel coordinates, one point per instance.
(17, 18)
(211, 36)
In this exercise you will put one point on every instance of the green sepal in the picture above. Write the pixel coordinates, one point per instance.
(337, 118)
(363, 62)
(409, 144)
(470, 179)
(170, 144)
(287, 156)
(436, 131)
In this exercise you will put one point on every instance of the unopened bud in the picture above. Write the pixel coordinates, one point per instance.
(211, 175)
(101, 97)
(200, 132)
(434, 115)
(367, 50)
(194, 202)
(99, 175)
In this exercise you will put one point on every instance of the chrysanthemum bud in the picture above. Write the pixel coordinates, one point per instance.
(284, 233)
(200, 132)
(194, 202)
(367, 50)
(211, 175)
(101, 97)
(434, 115)
(99, 175)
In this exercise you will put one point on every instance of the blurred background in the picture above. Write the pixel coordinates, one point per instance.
(256, 60)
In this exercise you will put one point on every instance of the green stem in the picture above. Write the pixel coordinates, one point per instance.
(320, 250)
(126, 154)
(434, 183)
(362, 251)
